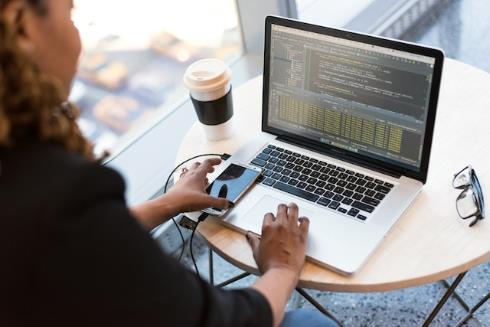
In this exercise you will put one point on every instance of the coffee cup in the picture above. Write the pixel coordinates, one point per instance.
(209, 84)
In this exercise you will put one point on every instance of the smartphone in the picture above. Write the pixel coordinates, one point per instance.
(231, 184)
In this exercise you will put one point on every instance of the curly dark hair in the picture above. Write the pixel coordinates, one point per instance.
(32, 105)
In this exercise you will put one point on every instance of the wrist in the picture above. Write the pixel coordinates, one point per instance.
(286, 272)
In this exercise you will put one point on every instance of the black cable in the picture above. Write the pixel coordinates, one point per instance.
(201, 218)
(224, 157)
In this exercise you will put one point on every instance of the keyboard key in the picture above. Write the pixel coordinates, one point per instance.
(283, 156)
(293, 182)
(295, 175)
(298, 168)
(338, 197)
(270, 146)
(313, 160)
(342, 183)
(269, 166)
(278, 169)
(302, 185)
(325, 170)
(343, 176)
(331, 166)
(324, 202)
(369, 179)
(352, 179)
(258, 162)
(297, 155)
(339, 190)
(316, 167)
(382, 189)
(286, 172)
(347, 201)
(361, 182)
(289, 165)
(379, 196)
(353, 212)
(315, 174)
(303, 178)
(320, 184)
(297, 192)
(330, 187)
(307, 164)
(329, 194)
(285, 179)
(334, 205)
(322, 163)
(263, 156)
(288, 152)
(273, 160)
(362, 217)
(267, 150)
(312, 181)
(389, 185)
(334, 173)
(370, 201)
(299, 161)
(307, 171)
(359, 175)
(360, 189)
(370, 193)
(319, 191)
(363, 206)
(348, 193)
(351, 186)
(291, 158)
(305, 157)
(378, 181)
(310, 188)
(269, 182)
(341, 169)
(260, 179)
(323, 177)
(350, 172)
(357, 196)
(370, 185)
(275, 153)
(281, 163)
(342, 210)
(279, 149)
(277, 176)
(333, 180)
(268, 173)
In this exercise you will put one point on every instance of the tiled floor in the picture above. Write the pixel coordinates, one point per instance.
(461, 28)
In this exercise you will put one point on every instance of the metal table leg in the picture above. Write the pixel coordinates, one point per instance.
(456, 295)
(473, 310)
(211, 267)
(444, 299)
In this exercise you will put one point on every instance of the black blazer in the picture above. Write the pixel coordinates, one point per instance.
(72, 254)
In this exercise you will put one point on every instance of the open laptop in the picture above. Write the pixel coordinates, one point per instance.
(346, 134)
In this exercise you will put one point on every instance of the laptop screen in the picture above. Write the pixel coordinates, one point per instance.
(359, 97)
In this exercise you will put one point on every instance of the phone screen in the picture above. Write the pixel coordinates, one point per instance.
(232, 182)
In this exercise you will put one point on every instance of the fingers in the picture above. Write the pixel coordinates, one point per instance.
(254, 242)
(304, 225)
(208, 165)
(268, 219)
(220, 203)
(282, 213)
(195, 165)
(293, 213)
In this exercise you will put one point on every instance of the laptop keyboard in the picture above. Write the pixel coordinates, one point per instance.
(346, 191)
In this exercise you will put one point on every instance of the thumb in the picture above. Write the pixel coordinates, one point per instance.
(220, 203)
(304, 225)
(254, 242)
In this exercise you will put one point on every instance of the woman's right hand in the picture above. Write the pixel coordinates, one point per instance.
(283, 241)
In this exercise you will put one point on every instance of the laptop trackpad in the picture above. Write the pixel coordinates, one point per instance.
(254, 217)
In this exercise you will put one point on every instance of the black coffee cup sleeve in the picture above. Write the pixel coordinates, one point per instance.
(214, 112)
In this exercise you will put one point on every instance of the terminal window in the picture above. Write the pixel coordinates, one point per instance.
(363, 98)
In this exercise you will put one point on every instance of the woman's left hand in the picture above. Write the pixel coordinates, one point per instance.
(189, 193)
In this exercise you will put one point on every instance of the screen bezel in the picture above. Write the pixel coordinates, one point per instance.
(418, 174)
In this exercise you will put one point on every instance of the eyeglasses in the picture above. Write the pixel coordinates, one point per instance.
(470, 202)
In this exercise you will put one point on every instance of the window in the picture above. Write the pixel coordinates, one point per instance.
(135, 54)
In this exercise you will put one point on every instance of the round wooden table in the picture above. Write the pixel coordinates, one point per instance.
(430, 242)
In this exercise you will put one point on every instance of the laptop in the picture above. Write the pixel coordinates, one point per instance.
(347, 125)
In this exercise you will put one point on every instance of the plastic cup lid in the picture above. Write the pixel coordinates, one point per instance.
(207, 75)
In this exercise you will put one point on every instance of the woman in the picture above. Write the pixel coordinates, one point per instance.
(72, 252)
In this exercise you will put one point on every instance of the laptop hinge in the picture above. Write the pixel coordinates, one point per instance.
(337, 154)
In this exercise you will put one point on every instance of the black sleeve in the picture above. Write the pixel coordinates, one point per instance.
(101, 267)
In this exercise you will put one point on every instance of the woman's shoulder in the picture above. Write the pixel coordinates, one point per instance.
(47, 170)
